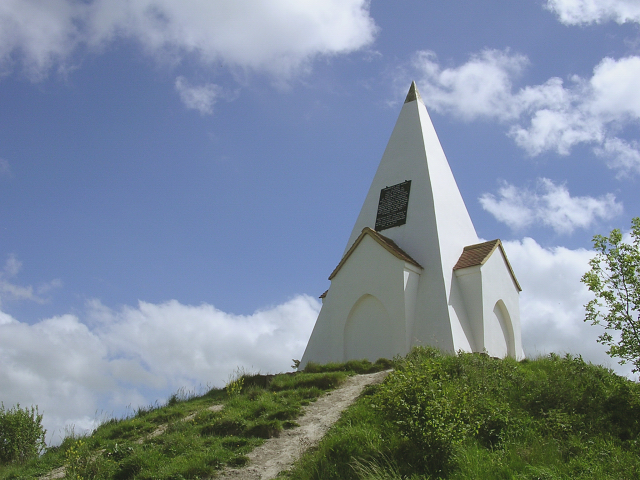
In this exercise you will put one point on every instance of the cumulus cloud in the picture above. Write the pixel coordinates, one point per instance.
(552, 302)
(279, 37)
(582, 12)
(479, 88)
(72, 366)
(201, 97)
(550, 205)
(553, 116)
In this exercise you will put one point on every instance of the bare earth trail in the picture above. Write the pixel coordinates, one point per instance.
(278, 454)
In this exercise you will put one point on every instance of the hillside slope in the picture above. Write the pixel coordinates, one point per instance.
(472, 416)
(434, 416)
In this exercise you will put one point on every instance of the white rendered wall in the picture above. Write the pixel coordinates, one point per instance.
(499, 336)
(492, 302)
(469, 281)
(461, 326)
(366, 306)
(367, 331)
(499, 289)
(411, 283)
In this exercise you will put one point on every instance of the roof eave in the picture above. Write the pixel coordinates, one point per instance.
(396, 252)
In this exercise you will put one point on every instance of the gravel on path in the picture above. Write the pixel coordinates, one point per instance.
(279, 453)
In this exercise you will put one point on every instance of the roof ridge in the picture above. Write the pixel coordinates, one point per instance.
(481, 244)
(477, 255)
(385, 242)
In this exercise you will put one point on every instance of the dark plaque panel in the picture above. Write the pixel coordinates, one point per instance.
(392, 207)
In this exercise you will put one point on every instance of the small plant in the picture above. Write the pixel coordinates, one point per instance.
(21, 434)
(234, 387)
(75, 459)
(81, 463)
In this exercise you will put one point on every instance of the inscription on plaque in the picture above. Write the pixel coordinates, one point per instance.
(392, 207)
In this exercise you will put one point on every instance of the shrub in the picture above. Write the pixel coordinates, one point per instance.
(430, 410)
(21, 434)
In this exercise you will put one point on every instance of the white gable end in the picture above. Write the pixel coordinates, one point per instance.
(365, 314)
(491, 298)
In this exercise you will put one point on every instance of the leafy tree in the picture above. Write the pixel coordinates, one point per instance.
(21, 434)
(614, 278)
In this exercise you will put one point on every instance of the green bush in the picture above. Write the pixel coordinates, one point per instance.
(430, 410)
(21, 434)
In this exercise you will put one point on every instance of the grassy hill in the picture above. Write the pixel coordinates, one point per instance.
(474, 417)
(435, 416)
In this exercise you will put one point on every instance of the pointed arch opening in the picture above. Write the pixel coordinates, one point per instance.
(504, 342)
(368, 331)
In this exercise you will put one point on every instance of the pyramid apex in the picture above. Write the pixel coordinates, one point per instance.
(413, 94)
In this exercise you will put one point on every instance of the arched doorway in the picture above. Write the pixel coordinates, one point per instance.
(502, 339)
(368, 332)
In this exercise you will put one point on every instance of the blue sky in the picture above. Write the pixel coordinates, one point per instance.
(178, 179)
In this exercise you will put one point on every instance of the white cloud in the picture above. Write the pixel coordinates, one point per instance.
(621, 155)
(552, 302)
(279, 37)
(548, 204)
(201, 98)
(72, 367)
(553, 116)
(41, 33)
(580, 12)
(9, 290)
(480, 87)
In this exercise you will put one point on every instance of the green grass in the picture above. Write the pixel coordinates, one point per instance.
(472, 416)
(195, 441)
(435, 416)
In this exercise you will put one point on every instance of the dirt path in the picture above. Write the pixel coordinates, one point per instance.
(277, 454)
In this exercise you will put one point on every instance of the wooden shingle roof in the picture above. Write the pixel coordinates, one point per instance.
(478, 254)
(385, 242)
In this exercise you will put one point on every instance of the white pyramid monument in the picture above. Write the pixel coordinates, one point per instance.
(413, 272)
